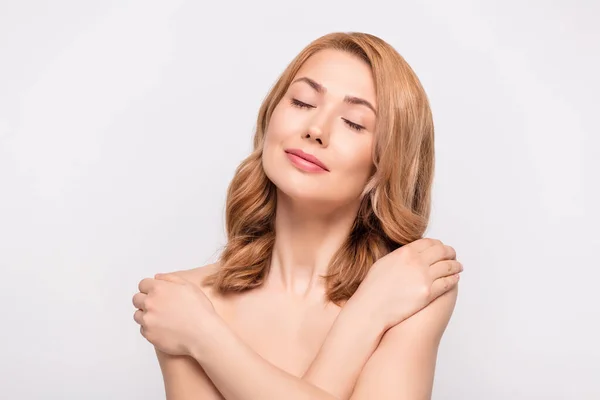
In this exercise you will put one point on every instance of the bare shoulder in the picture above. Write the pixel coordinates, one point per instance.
(184, 378)
(197, 276)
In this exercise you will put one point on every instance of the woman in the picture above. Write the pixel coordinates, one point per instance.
(326, 288)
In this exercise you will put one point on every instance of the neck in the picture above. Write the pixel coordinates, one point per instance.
(305, 243)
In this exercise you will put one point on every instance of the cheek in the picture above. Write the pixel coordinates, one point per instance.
(274, 127)
(273, 137)
(276, 134)
(358, 158)
(281, 125)
(283, 130)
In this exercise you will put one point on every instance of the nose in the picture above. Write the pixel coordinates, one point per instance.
(316, 134)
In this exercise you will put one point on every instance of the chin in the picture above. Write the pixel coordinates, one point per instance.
(311, 195)
(298, 186)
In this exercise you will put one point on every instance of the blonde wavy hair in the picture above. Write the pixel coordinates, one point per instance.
(396, 202)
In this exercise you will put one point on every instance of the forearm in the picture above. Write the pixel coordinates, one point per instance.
(350, 343)
(240, 374)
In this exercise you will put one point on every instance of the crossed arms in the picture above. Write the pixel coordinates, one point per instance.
(357, 361)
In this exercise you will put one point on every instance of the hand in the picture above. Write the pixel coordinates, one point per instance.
(171, 312)
(406, 280)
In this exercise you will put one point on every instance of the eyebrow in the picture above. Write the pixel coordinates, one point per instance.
(322, 89)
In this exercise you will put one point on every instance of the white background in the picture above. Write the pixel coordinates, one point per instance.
(121, 123)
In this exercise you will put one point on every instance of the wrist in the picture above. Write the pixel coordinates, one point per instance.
(366, 314)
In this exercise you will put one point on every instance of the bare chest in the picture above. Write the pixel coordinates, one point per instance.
(288, 335)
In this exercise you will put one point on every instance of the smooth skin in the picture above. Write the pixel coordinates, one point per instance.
(284, 340)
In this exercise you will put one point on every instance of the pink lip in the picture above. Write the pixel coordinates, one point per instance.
(305, 161)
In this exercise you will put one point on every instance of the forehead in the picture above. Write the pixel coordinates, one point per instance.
(341, 73)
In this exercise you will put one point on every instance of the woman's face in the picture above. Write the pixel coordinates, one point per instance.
(319, 140)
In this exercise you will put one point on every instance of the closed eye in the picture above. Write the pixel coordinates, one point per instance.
(299, 104)
(352, 125)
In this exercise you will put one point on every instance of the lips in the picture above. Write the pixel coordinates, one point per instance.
(307, 157)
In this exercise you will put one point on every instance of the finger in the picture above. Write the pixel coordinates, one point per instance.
(421, 245)
(138, 316)
(444, 268)
(174, 278)
(443, 285)
(146, 285)
(438, 252)
(139, 299)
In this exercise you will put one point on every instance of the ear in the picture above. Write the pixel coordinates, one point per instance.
(174, 278)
